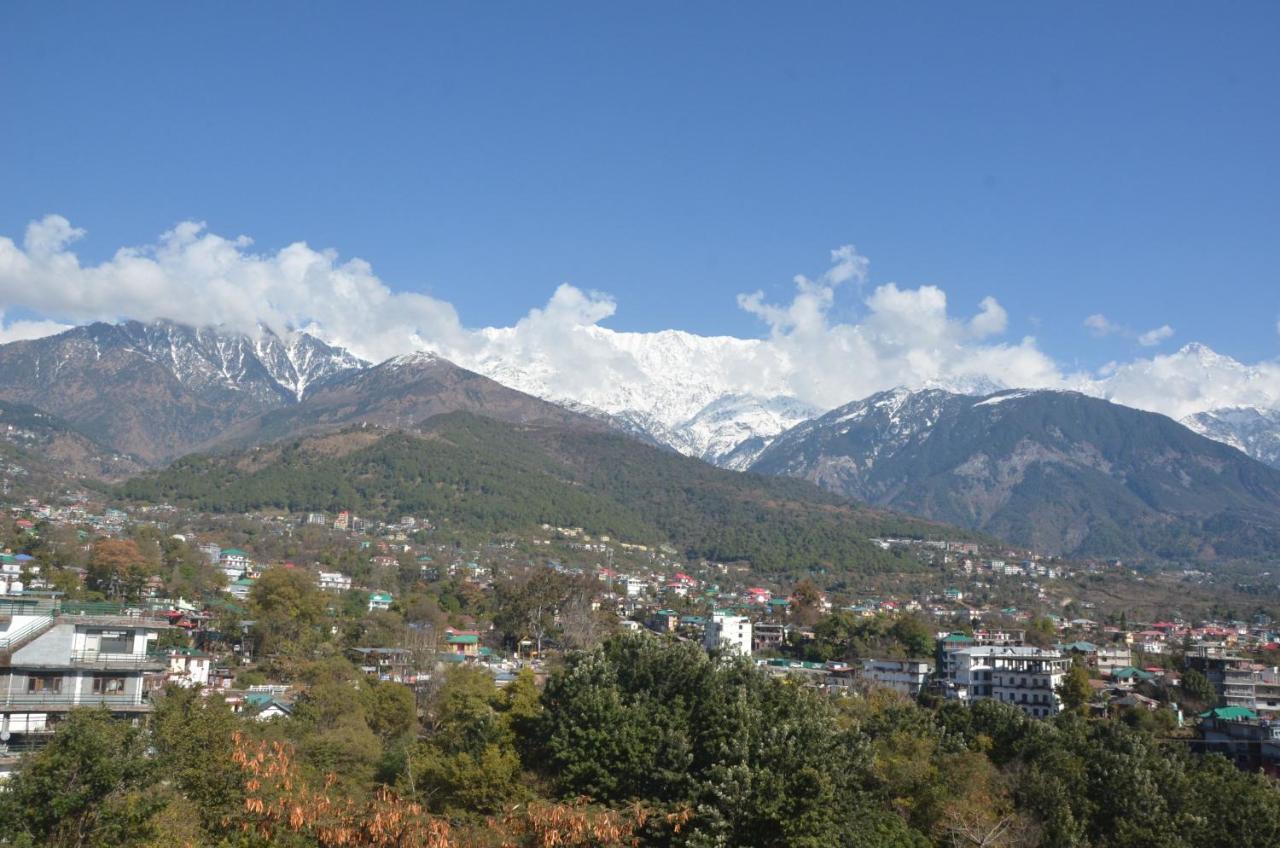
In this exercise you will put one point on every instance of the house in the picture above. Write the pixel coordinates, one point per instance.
(730, 633)
(395, 664)
(234, 563)
(767, 637)
(379, 601)
(241, 588)
(188, 667)
(333, 581)
(52, 662)
(464, 642)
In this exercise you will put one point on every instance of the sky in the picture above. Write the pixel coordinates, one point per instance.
(1097, 183)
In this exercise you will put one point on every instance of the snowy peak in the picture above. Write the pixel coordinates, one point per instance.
(1254, 431)
(203, 357)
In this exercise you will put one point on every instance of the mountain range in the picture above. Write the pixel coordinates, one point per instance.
(1060, 471)
(1056, 471)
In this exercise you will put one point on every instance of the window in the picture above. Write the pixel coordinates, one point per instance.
(115, 642)
(108, 685)
(44, 683)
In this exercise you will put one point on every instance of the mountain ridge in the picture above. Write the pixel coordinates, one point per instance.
(1058, 471)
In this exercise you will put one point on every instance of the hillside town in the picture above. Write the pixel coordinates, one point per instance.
(407, 601)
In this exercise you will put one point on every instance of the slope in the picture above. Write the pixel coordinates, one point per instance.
(474, 472)
(1058, 471)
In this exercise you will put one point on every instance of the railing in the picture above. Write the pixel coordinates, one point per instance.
(23, 745)
(67, 700)
(11, 638)
(98, 659)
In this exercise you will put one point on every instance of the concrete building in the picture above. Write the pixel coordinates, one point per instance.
(1253, 687)
(333, 581)
(905, 676)
(1025, 677)
(731, 633)
(51, 662)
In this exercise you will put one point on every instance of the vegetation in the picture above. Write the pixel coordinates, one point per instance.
(473, 472)
(640, 741)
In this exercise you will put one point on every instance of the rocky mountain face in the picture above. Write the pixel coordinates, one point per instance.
(400, 394)
(1253, 431)
(36, 447)
(157, 390)
(1058, 471)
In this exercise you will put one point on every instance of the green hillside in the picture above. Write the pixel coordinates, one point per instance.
(474, 472)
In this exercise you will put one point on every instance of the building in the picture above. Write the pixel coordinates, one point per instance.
(333, 581)
(1252, 686)
(730, 633)
(1025, 677)
(234, 563)
(767, 637)
(52, 662)
(465, 642)
(948, 645)
(379, 601)
(189, 667)
(1248, 740)
(905, 676)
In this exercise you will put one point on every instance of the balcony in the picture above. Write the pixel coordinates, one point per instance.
(62, 701)
(98, 659)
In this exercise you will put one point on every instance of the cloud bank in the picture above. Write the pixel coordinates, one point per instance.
(898, 335)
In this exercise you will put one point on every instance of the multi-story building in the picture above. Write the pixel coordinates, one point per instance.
(905, 676)
(333, 581)
(52, 661)
(767, 637)
(948, 645)
(730, 633)
(1252, 686)
(1025, 677)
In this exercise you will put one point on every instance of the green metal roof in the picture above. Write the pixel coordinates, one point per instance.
(1230, 713)
(462, 638)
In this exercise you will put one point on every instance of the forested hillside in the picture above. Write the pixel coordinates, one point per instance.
(474, 472)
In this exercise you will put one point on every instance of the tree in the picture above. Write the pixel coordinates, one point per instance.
(194, 741)
(118, 567)
(1074, 690)
(92, 785)
(1198, 687)
(468, 765)
(913, 634)
(526, 609)
(286, 606)
(806, 603)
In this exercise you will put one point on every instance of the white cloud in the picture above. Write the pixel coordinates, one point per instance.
(16, 331)
(1100, 325)
(1153, 337)
(191, 273)
(897, 335)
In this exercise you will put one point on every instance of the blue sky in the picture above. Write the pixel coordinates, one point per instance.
(1069, 160)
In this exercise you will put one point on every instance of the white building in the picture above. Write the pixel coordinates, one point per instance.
(189, 668)
(731, 633)
(905, 676)
(333, 581)
(1026, 677)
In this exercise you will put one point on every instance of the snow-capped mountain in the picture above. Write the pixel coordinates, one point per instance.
(1215, 395)
(1254, 431)
(1055, 470)
(158, 389)
(704, 396)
